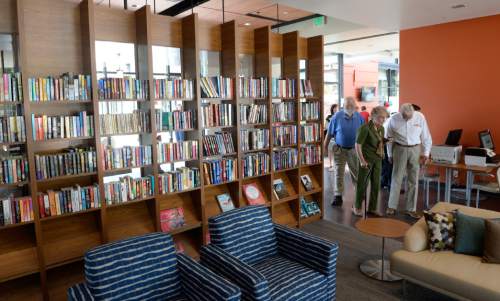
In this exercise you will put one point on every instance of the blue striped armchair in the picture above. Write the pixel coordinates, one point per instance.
(269, 261)
(148, 268)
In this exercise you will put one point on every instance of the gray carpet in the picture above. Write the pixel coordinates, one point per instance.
(356, 247)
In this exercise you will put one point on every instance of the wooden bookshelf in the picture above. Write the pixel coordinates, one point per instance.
(45, 257)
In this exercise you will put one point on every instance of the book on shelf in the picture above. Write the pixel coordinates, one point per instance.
(306, 88)
(253, 87)
(284, 135)
(177, 151)
(283, 88)
(173, 89)
(217, 114)
(253, 114)
(255, 164)
(225, 202)
(68, 200)
(179, 247)
(124, 123)
(15, 210)
(310, 110)
(307, 182)
(308, 208)
(310, 154)
(126, 156)
(12, 129)
(71, 161)
(128, 189)
(253, 194)
(283, 111)
(216, 87)
(14, 169)
(58, 127)
(171, 219)
(310, 132)
(67, 87)
(11, 87)
(122, 88)
(220, 143)
(279, 189)
(285, 158)
(220, 171)
(182, 178)
(175, 120)
(254, 139)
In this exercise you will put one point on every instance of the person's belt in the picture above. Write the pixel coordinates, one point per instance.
(407, 145)
(347, 148)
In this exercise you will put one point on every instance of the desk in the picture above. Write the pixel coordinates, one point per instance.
(470, 170)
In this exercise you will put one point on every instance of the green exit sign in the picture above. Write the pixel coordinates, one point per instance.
(319, 21)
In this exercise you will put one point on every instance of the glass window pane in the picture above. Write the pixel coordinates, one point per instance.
(167, 62)
(303, 69)
(276, 67)
(115, 59)
(210, 63)
(7, 49)
(246, 65)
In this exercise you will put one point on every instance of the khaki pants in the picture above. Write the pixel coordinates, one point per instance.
(341, 156)
(405, 160)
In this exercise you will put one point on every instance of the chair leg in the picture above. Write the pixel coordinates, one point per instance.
(477, 198)
(439, 191)
(405, 292)
(426, 187)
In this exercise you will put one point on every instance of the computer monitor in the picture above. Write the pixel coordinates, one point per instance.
(453, 138)
(486, 139)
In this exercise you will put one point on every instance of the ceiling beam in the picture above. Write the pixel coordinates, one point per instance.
(181, 7)
(298, 20)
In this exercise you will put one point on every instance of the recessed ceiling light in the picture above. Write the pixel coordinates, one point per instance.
(247, 24)
(458, 6)
(134, 5)
(285, 13)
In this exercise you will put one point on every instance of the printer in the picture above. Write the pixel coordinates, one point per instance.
(484, 155)
(450, 152)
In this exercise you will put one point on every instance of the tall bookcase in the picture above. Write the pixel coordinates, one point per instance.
(40, 259)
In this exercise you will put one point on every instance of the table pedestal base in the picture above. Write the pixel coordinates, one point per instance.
(373, 269)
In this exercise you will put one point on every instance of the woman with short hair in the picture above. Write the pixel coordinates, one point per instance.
(331, 143)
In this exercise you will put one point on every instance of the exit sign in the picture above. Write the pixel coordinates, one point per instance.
(319, 21)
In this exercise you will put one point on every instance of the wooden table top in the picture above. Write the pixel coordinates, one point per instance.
(382, 227)
(461, 165)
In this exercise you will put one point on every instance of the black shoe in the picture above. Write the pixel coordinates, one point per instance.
(337, 201)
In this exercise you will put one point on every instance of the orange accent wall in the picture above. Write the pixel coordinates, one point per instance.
(452, 71)
(357, 75)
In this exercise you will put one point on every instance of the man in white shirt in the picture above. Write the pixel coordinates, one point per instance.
(410, 147)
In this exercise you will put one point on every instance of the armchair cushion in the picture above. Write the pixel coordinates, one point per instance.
(79, 292)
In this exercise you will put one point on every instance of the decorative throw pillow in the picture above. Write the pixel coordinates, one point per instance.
(491, 252)
(469, 238)
(441, 230)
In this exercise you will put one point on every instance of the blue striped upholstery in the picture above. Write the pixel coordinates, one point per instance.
(247, 233)
(79, 292)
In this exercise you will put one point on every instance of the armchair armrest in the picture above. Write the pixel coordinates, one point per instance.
(415, 239)
(309, 250)
(79, 292)
(199, 283)
(253, 285)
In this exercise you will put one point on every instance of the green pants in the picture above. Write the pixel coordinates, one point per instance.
(363, 183)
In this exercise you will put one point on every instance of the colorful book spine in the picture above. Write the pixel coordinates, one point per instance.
(255, 164)
(306, 88)
(67, 87)
(253, 114)
(72, 161)
(173, 89)
(216, 87)
(285, 158)
(14, 169)
(284, 111)
(310, 110)
(284, 135)
(126, 157)
(123, 88)
(12, 129)
(310, 133)
(181, 179)
(214, 115)
(128, 189)
(15, 210)
(176, 120)
(124, 123)
(178, 151)
(58, 127)
(220, 143)
(11, 88)
(253, 87)
(220, 171)
(68, 200)
(310, 154)
(254, 139)
(283, 88)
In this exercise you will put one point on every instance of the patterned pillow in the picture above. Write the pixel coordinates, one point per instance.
(441, 230)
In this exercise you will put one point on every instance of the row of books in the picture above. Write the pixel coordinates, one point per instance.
(217, 115)
(283, 111)
(66, 87)
(124, 123)
(220, 143)
(216, 87)
(71, 161)
(310, 133)
(255, 164)
(310, 110)
(310, 154)
(176, 151)
(176, 120)
(220, 171)
(173, 89)
(127, 156)
(14, 169)
(12, 129)
(254, 139)
(128, 189)
(181, 179)
(283, 88)
(123, 88)
(305, 88)
(15, 210)
(285, 158)
(308, 208)
(253, 114)
(57, 127)
(11, 87)
(284, 135)
(252, 87)
(68, 200)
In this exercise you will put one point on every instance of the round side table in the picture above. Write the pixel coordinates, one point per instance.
(384, 228)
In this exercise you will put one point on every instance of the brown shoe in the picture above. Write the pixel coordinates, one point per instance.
(357, 212)
(413, 214)
(375, 213)
(390, 211)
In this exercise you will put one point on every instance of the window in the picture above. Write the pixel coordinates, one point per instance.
(333, 81)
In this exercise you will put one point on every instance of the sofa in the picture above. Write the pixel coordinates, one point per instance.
(462, 277)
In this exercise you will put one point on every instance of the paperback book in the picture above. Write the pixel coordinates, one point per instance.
(253, 194)
(307, 182)
(279, 189)
(225, 202)
(171, 219)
